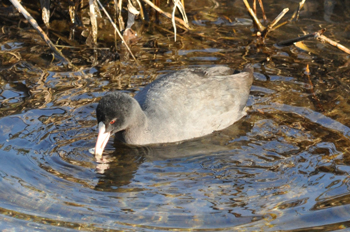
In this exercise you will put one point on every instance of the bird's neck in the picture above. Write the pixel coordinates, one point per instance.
(138, 126)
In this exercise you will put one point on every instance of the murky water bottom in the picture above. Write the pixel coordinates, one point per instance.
(282, 167)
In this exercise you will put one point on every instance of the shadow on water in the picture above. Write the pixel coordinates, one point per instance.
(283, 167)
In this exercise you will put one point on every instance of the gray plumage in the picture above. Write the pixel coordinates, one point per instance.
(178, 106)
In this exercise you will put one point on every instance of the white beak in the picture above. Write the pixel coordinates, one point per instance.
(102, 139)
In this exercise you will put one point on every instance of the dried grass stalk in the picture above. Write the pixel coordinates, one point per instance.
(116, 29)
(182, 22)
(270, 27)
(45, 9)
(118, 10)
(180, 6)
(34, 24)
(254, 17)
(93, 18)
(71, 10)
(262, 9)
(323, 38)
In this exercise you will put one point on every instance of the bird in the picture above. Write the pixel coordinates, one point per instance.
(178, 106)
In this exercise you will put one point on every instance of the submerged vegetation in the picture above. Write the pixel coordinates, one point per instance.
(119, 38)
(72, 24)
(99, 32)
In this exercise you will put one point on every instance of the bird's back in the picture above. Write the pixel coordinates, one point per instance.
(194, 102)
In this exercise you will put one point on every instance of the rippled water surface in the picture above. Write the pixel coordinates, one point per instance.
(285, 166)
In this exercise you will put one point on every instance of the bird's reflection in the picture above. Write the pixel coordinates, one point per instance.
(117, 167)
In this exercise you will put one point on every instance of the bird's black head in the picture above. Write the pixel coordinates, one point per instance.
(115, 110)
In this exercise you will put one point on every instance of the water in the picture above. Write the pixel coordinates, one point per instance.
(282, 167)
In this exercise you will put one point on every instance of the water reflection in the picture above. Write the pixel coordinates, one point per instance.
(262, 173)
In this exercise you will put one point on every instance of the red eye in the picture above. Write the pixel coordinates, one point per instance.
(112, 122)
